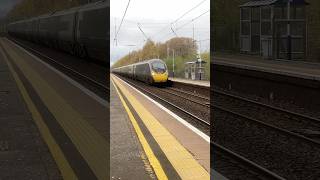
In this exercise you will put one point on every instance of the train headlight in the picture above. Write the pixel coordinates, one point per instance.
(153, 73)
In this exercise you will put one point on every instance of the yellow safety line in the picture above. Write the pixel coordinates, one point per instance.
(89, 142)
(146, 147)
(63, 165)
(180, 158)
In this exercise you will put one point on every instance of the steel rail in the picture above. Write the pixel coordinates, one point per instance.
(269, 126)
(246, 162)
(299, 115)
(207, 105)
(189, 93)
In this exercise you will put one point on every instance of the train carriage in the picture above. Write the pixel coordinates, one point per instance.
(81, 31)
(150, 71)
(92, 33)
(62, 30)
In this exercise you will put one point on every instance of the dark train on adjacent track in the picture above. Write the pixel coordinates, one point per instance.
(149, 71)
(81, 31)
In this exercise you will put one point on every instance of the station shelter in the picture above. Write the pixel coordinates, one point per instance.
(274, 29)
(195, 70)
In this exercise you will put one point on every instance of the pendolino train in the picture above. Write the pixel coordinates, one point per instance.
(81, 31)
(149, 71)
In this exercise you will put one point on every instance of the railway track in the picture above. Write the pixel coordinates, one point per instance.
(194, 98)
(294, 155)
(189, 103)
(204, 98)
(142, 88)
(271, 127)
(83, 77)
(235, 166)
(200, 91)
(294, 122)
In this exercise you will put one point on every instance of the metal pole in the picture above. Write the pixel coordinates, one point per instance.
(288, 31)
(193, 35)
(200, 49)
(200, 67)
(144, 34)
(115, 31)
(200, 59)
(173, 63)
(193, 32)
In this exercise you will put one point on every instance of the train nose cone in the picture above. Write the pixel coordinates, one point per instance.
(160, 77)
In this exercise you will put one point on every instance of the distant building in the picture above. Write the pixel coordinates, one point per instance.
(268, 29)
(195, 70)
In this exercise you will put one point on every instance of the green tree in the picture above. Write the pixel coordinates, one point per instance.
(184, 47)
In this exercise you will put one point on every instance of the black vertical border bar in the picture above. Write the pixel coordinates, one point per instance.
(108, 84)
(211, 84)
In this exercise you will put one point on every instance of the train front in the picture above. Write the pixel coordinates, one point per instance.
(159, 71)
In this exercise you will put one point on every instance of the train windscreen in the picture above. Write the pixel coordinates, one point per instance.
(158, 67)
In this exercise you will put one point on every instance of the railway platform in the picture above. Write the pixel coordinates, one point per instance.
(290, 84)
(23, 153)
(191, 82)
(161, 144)
(298, 69)
(51, 126)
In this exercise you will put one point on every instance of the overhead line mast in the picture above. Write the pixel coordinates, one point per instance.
(125, 12)
(144, 34)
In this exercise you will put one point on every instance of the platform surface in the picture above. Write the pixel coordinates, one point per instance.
(189, 81)
(70, 119)
(300, 69)
(23, 152)
(179, 152)
(127, 158)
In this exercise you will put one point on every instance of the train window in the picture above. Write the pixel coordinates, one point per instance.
(147, 69)
(139, 69)
(158, 67)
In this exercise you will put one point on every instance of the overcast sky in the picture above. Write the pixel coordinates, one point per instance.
(155, 17)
